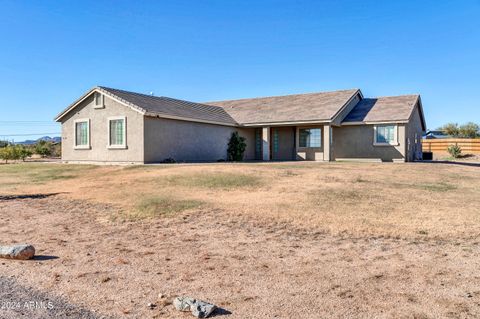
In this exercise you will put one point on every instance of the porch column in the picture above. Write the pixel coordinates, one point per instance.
(266, 143)
(327, 142)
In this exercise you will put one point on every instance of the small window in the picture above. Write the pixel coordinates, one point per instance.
(98, 100)
(258, 143)
(117, 132)
(385, 134)
(82, 133)
(310, 137)
(275, 140)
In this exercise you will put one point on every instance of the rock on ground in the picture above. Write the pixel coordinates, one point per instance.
(22, 252)
(199, 309)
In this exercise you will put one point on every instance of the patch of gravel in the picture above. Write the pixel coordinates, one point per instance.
(18, 301)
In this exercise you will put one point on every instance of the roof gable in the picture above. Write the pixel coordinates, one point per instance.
(161, 107)
(385, 109)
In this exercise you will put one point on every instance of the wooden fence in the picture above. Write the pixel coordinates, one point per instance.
(468, 145)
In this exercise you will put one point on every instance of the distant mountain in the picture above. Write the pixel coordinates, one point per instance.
(56, 139)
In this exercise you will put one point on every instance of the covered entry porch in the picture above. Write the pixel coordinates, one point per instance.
(287, 143)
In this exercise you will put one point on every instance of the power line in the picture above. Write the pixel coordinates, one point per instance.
(32, 134)
(27, 124)
(15, 121)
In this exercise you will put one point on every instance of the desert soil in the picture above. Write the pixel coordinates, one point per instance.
(251, 268)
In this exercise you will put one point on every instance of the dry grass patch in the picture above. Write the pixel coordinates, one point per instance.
(361, 199)
(39, 173)
(215, 180)
(161, 206)
(432, 187)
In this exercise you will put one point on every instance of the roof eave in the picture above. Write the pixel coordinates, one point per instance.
(258, 124)
(188, 119)
(374, 122)
(74, 104)
(418, 104)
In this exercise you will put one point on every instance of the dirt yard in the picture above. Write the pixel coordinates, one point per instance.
(279, 240)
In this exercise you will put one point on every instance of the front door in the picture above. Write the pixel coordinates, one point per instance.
(282, 143)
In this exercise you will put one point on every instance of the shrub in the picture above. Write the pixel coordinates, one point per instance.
(450, 129)
(43, 148)
(13, 152)
(5, 154)
(236, 147)
(455, 150)
(24, 152)
(469, 130)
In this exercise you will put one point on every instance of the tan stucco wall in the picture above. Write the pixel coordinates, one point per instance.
(99, 153)
(414, 132)
(309, 153)
(191, 142)
(356, 142)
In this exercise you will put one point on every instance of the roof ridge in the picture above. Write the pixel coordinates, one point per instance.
(217, 113)
(286, 95)
(131, 92)
(158, 97)
(389, 96)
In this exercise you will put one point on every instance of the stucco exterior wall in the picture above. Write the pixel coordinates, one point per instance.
(190, 141)
(414, 136)
(309, 153)
(99, 134)
(356, 142)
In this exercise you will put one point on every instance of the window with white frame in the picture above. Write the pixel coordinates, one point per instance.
(117, 132)
(310, 137)
(385, 135)
(98, 100)
(82, 133)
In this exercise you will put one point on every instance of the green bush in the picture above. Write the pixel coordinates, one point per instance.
(14, 152)
(43, 148)
(24, 152)
(5, 154)
(455, 150)
(236, 147)
(450, 129)
(469, 130)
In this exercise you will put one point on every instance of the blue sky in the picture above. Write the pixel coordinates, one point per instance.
(54, 51)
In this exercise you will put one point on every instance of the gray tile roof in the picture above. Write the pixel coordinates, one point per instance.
(310, 107)
(390, 108)
(287, 108)
(160, 105)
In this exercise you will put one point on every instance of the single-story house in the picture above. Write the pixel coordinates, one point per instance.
(108, 125)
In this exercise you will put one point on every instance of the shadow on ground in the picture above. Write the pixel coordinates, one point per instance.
(44, 257)
(27, 196)
(221, 312)
(452, 163)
